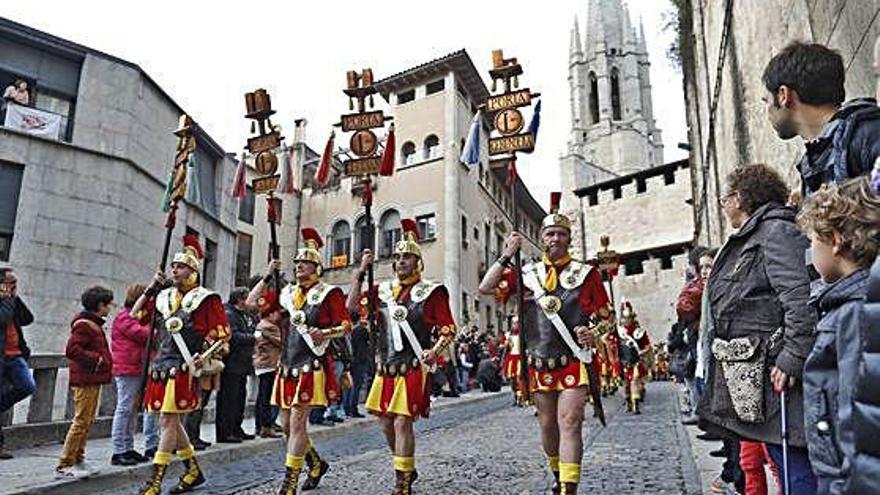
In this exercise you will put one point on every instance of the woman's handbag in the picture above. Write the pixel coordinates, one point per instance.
(743, 364)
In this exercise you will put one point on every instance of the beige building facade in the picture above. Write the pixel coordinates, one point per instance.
(462, 211)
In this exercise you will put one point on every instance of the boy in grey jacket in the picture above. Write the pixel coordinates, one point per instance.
(843, 224)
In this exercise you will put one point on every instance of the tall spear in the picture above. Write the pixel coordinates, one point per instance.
(175, 191)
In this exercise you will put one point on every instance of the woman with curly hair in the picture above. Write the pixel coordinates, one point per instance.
(843, 224)
(759, 292)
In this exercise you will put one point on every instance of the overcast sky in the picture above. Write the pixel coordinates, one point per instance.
(206, 55)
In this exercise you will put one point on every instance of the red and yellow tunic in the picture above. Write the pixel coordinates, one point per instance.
(638, 344)
(583, 301)
(306, 377)
(513, 358)
(401, 384)
(171, 387)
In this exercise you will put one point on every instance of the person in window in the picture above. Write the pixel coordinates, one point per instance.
(18, 92)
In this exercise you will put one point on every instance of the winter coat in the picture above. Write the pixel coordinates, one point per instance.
(88, 354)
(13, 309)
(128, 340)
(864, 476)
(267, 349)
(239, 361)
(829, 376)
(760, 283)
(846, 147)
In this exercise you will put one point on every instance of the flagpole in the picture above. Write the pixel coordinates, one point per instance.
(520, 296)
(173, 194)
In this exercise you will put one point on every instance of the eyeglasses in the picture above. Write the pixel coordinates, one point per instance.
(723, 200)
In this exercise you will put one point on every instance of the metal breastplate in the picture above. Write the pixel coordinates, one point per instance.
(296, 352)
(387, 356)
(167, 354)
(542, 339)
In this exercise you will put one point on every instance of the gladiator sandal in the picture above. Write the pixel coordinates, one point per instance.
(405, 480)
(317, 469)
(569, 489)
(154, 486)
(556, 488)
(192, 477)
(291, 478)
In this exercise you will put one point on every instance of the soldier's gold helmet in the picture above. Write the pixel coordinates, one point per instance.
(556, 219)
(191, 255)
(311, 250)
(409, 241)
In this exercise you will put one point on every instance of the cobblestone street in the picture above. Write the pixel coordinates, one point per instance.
(490, 447)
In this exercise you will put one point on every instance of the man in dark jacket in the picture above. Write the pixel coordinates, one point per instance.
(759, 285)
(16, 380)
(361, 357)
(238, 364)
(865, 471)
(805, 94)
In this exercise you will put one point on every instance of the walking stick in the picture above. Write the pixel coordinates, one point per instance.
(786, 486)
(174, 192)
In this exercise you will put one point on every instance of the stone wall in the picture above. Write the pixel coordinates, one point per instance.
(89, 211)
(653, 294)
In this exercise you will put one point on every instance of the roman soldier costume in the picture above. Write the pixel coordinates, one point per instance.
(305, 376)
(560, 295)
(414, 316)
(634, 347)
(511, 367)
(192, 322)
(609, 363)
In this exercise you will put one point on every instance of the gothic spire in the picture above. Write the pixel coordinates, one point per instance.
(576, 46)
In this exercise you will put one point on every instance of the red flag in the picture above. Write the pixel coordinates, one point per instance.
(511, 172)
(323, 172)
(387, 169)
(239, 182)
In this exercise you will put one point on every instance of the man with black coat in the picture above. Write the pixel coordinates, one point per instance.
(805, 97)
(361, 357)
(16, 380)
(238, 364)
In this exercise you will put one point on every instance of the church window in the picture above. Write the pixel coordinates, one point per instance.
(408, 153)
(615, 94)
(669, 178)
(432, 147)
(390, 223)
(594, 98)
(641, 185)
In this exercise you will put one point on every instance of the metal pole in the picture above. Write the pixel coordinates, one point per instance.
(783, 411)
(520, 296)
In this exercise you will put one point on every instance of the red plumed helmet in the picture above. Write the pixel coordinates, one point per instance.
(191, 255)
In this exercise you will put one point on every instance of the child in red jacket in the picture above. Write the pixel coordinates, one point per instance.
(90, 365)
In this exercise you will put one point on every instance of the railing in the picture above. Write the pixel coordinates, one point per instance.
(42, 426)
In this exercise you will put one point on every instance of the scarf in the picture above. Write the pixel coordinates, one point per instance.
(552, 279)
